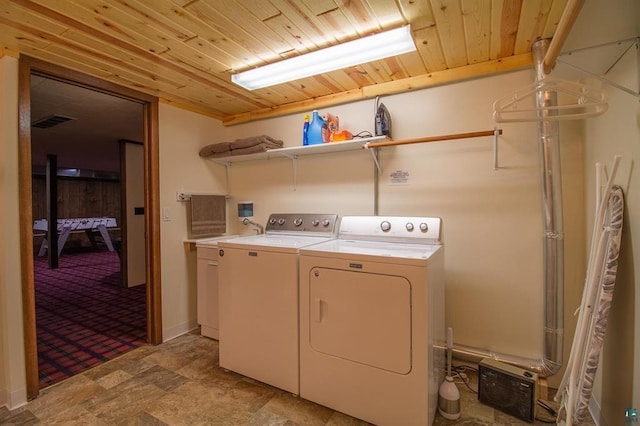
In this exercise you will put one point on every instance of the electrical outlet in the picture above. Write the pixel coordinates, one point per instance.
(181, 196)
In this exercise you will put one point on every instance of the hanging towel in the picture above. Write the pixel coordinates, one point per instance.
(207, 216)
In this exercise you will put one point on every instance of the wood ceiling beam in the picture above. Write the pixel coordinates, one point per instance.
(8, 52)
(412, 83)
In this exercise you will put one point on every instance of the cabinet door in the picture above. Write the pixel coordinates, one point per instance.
(207, 292)
(259, 316)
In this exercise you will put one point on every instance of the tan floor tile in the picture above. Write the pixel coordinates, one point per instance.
(20, 416)
(266, 418)
(180, 383)
(339, 419)
(124, 400)
(141, 419)
(113, 379)
(185, 408)
(161, 377)
(298, 410)
(71, 392)
(74, 415)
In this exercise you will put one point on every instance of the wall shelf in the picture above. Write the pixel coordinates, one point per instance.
(371, 144)
(298, 151)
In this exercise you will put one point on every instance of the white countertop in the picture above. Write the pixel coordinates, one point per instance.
(192, 243)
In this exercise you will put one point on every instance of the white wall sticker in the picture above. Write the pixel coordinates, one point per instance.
(399, 177)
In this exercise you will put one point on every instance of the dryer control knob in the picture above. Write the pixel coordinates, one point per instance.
(315, 222)
(409, 226)
(385, 225)
(424, 227)
(297, 221)
(281, 221)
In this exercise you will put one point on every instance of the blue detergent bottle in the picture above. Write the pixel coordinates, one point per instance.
(316, 129)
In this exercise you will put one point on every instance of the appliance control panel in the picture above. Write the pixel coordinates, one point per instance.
(407, 229)
(325, 224)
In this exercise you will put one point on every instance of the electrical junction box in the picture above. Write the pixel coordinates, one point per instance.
(507, 388)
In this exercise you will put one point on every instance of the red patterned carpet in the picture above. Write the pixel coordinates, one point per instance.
(83, 316)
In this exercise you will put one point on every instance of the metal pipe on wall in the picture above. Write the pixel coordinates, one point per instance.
(548, 133)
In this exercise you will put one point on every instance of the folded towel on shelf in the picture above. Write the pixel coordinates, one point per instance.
(242, 146)
(223, 154)
(262, 147)
(221, 149)
(256, 140)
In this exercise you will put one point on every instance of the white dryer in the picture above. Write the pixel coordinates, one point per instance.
(258, 295)
(372, 319)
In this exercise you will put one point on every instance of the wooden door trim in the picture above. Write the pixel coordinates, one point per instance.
(26, 230)
(27, 67)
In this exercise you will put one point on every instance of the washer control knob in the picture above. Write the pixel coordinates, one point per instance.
(315, 222)
(272, 221)
(424, 227)
(385, 225)
(325, 222)
(409, 226)
(297, 221)
(281, 221)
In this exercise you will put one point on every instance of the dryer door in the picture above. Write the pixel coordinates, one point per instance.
(361, 317)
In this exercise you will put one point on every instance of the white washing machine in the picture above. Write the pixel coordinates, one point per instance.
(258, 295)
(372, 319)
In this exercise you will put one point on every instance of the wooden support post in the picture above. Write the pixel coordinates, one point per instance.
(52, 210)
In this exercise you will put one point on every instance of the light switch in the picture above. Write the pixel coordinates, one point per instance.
(166, 214)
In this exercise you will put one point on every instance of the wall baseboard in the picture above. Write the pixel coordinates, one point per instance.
(178, 330)
(13, 400)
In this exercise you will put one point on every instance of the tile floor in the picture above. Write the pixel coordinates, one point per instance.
(180, 383)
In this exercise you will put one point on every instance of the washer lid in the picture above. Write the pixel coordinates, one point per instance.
(273, 240)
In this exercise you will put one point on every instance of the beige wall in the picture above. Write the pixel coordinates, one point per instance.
(617, 132)
(492, 218)
(12, 375)
(181, 135)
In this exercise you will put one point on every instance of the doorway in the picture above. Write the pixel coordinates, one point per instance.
(87, 311)
(31, 67)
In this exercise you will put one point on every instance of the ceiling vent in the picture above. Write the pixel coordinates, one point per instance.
(50, 121)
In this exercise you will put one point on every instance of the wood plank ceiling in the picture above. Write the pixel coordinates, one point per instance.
(184, 51)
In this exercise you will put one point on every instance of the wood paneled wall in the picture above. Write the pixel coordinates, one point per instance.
(78, 197)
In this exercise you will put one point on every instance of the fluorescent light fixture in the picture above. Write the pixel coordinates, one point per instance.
(367, 49)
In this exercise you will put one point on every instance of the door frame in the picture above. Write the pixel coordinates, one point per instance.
(27, 67)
